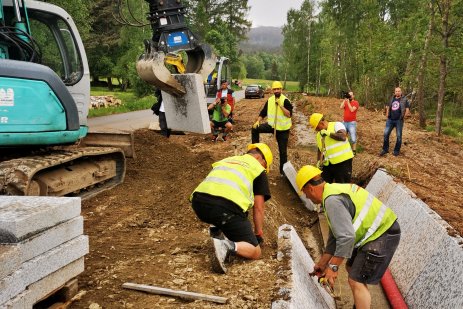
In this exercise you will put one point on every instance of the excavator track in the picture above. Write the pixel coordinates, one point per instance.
(82, 172)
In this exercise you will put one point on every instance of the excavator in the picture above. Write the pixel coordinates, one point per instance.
(45, 147)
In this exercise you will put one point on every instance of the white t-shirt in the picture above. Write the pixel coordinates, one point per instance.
(225, 92)
(339, 126)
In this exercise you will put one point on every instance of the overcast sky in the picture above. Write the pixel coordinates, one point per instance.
(271, 12)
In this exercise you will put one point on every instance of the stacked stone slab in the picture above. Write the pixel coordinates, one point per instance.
(42, 248)
(427, 264)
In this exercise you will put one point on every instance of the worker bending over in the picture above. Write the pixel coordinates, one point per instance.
(233, 187)
(362, 230)
(334, 152)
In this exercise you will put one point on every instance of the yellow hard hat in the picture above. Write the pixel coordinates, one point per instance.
(268, 156)
(306, 173)
(314, 120)
(276, 84)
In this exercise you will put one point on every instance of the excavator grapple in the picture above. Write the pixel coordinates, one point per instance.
(170, 37)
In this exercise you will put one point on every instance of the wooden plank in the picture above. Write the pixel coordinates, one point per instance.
(177, 293)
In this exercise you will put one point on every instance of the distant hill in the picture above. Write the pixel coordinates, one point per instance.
(263, 39)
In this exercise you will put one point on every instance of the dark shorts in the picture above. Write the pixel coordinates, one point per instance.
(219, 124)
(369, 262)
(233, 222)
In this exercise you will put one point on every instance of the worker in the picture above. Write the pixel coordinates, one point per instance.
(229, 95)
(361, 229)
(221, 111)
(278, 110)
(158, 109)
(234, 186)
(334, 154)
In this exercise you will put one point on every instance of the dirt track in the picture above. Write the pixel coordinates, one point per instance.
(144, 231)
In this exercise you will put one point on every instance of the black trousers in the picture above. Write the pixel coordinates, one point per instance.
(340, 173)
(282, 140)
(163, 124)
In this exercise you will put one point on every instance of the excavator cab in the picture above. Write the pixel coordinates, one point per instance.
(170, 37)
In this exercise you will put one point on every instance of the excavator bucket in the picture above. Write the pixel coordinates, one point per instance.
(151, 69)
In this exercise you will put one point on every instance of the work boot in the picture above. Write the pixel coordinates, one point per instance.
(223, 250)
(382, 153)
(214, 138)
(225, 138)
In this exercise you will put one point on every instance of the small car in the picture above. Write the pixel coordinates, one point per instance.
(254, 91)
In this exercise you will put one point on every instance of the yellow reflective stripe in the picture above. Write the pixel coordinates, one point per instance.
(336, 145)
(374, 226)
(363, 213)
(226, 182)
(339, 153)
(237, 173)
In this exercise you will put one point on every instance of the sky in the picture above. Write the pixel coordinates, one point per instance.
(271, 12)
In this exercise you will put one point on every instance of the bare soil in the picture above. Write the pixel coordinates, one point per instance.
(144, 231)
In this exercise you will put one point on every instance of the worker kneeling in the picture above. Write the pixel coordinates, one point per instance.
(234, 186)
(221, 112)
(362, 229)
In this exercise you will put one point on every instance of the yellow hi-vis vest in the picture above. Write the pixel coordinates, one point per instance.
(336, 151)
(232, 178)
(283, 123)
(372, 218)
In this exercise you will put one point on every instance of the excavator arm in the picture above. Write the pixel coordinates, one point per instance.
(171, 36)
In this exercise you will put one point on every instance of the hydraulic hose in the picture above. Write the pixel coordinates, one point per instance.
(392, 291)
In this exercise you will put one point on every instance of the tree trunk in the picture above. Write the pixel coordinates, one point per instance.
(443, 70)
(110, 83)
(423, 65)
(308, 59)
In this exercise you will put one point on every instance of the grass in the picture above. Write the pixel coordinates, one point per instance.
(452, 122)
(130, 102)
(290, 85)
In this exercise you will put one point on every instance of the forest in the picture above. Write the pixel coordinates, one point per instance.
(366, 46)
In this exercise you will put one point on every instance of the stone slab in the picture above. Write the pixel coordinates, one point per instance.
(296, 289)
(9, 260)
(440, 283)
(41, 266)
(291, 173)
(377, 183)
(189, 112)
(24, 216)
(40, 289)
(50, 238)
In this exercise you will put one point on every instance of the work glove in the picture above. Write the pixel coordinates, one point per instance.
(256, 124)
(260, 240)
(324, 133)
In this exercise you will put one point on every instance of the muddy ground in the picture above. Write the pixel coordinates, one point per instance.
(145, 232)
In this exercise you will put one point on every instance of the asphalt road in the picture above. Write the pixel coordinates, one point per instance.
(131, 121)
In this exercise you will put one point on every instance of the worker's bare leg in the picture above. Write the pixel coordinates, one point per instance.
(228, 127)
(247, 250)
(362, 297)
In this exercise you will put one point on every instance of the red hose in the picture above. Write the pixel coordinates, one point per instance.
(392, 291)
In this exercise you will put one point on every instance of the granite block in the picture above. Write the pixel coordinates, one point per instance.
(377, 183)
(291, 173)
(50, 238)
(24, 216)
(440, 283)
(298, 290)
(41, 266)
(9, 260)
(188, 112)
(38, 290)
